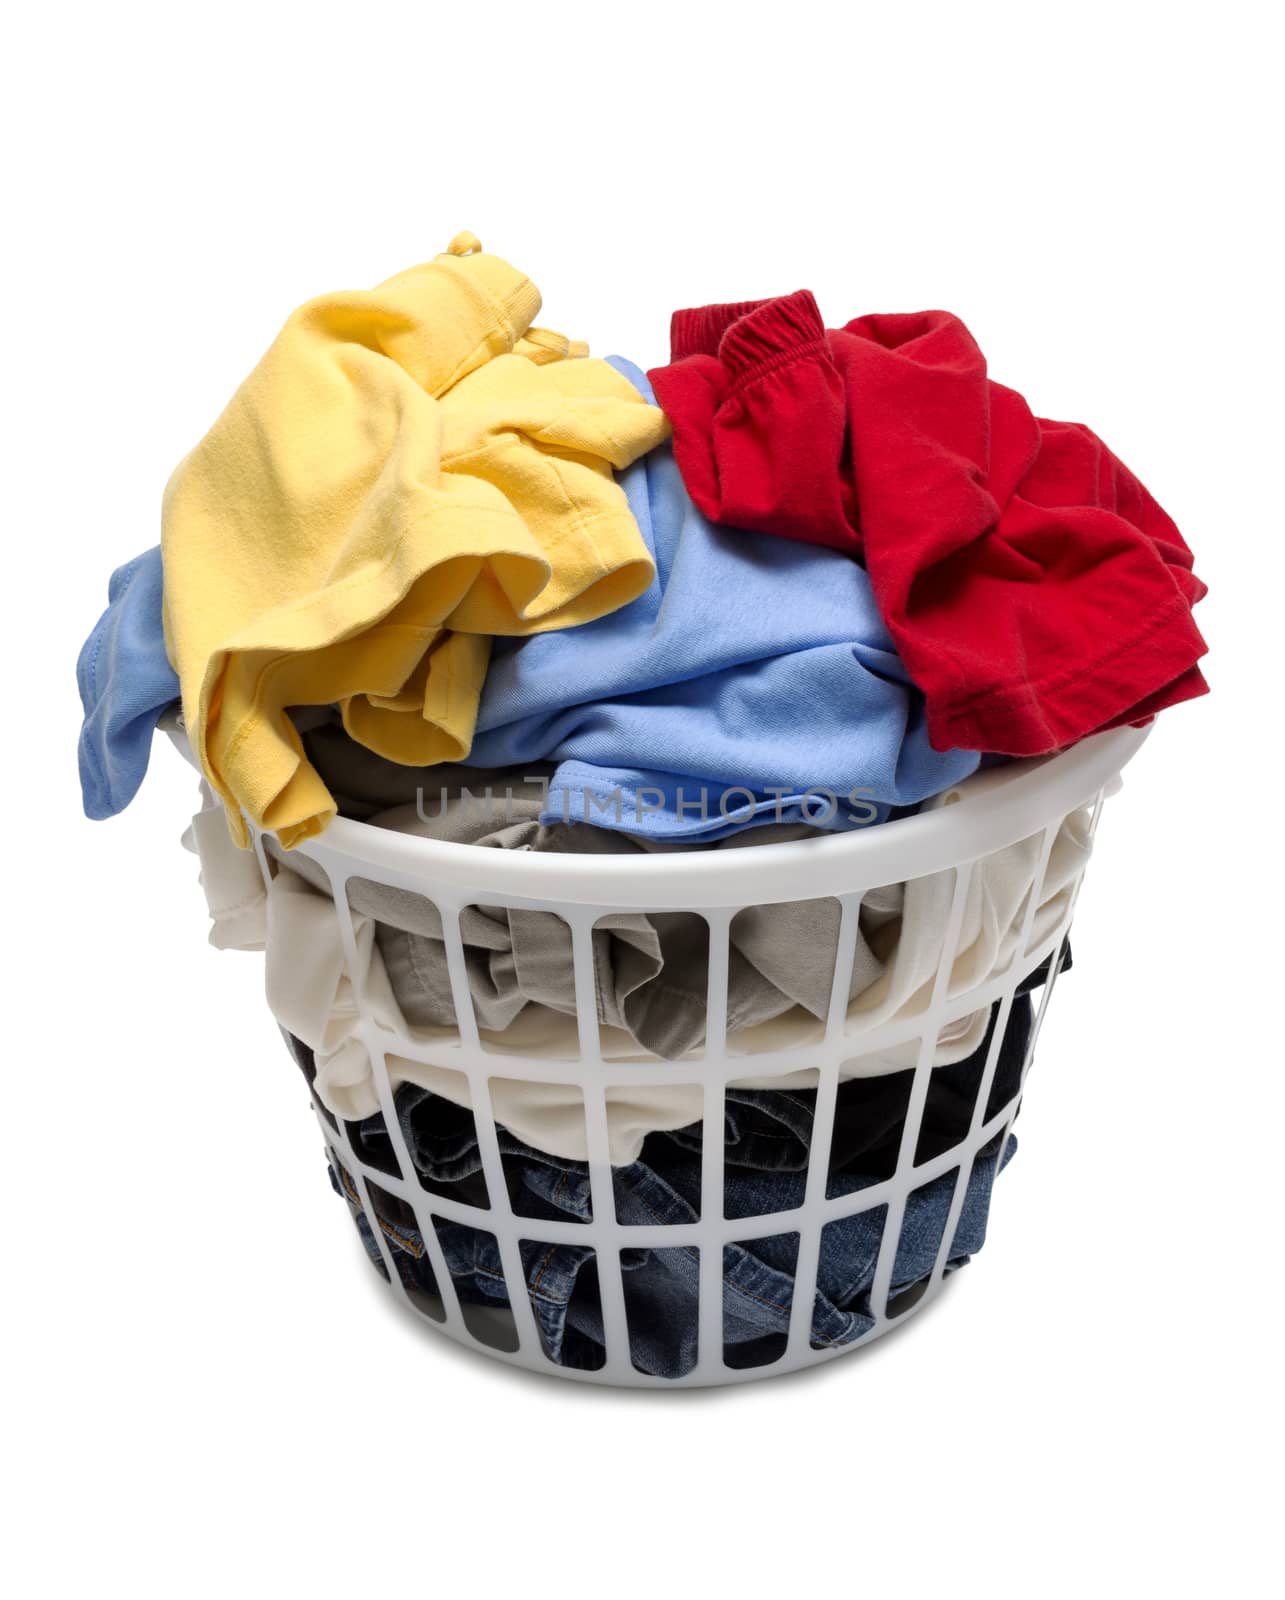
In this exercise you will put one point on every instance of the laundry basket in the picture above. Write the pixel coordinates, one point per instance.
(404, 1221)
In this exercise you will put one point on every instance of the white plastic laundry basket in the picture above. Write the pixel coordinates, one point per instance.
(1016, 803)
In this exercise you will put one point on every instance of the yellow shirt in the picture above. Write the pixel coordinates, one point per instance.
(407, 471)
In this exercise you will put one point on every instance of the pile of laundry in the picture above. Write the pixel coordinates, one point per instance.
(797, 581)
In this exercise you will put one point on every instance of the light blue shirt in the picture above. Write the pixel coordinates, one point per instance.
(753, 682)
(125, 682)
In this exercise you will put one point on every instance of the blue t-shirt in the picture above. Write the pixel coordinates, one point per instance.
(126, 682)
(753, 682)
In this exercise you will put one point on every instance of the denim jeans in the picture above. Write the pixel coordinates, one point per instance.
(661, 1285)
(767, 1144)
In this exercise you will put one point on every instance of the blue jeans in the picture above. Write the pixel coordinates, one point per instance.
(661, 1285)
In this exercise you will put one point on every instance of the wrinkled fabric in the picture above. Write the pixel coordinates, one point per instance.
(126, 683)
(519, 968)
(1033, 588)
(236, 896)
(399, 478)
(661, 1285)
(650, 969)
(753, 681)
(764, 1131)
(772, 1130)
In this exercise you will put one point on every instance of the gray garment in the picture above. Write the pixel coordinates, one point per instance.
(789, 949)
(650, 970)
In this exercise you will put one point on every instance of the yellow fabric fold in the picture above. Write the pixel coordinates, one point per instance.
(408, 470)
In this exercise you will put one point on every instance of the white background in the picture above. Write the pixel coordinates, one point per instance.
(207, 1390)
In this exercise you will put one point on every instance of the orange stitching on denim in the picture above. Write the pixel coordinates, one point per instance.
(535, 1285)
(390, 1230)
(745, 1294)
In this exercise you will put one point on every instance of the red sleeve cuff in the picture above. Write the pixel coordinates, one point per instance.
(698, 330)
(772, 333)
(749, 336)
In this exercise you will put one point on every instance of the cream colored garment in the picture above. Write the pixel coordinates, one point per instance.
(235, 894)
(905, 925)
(310, 995)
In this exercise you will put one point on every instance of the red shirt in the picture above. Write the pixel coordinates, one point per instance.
(1034, 589)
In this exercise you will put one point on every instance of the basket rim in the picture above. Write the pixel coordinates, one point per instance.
(995, 808)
